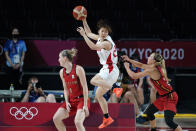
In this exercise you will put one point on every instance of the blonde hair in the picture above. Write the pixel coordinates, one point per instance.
(70, 54)
(161, 62)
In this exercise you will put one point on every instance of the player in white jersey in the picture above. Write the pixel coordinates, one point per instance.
(107, 53)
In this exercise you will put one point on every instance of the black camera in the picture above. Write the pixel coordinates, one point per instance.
(36, 85)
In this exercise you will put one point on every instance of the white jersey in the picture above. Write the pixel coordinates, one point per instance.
(109, 58)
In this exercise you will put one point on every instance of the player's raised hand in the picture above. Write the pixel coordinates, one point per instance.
(81, 31)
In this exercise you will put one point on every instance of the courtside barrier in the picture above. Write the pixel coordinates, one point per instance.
(38, 117)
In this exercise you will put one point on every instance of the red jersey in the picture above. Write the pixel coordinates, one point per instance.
(161, 85)
(73, 83)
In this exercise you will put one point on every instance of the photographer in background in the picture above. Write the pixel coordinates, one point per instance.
(35, 93)
(134, 88)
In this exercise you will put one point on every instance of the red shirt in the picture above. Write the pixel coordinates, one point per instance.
(161, 85)
(73, 83)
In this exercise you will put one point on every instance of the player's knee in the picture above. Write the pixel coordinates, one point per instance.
(92, 81)
(78, 122)
(131, 86)
(150, 114)
(51, 98)
(56, 119)
(169, 121)
(98, 96)
(41, 99)
(128, 95)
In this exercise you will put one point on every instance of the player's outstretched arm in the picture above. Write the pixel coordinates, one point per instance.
(134, 75)
(88, 31)
(105, 44)
(136, 63)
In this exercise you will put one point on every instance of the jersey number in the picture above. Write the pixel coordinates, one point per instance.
(115, 52)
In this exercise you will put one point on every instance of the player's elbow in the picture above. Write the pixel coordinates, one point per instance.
(93, 82)
(88, 33)
(95, 48)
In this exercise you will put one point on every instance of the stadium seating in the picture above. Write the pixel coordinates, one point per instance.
(129, 18)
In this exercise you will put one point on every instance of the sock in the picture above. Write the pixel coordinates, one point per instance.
(106, 115)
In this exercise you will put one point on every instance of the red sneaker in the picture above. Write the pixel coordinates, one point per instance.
(106, 122)
(118, 92)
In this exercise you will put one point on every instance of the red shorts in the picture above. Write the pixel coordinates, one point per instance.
(75, 105)
(167, 102)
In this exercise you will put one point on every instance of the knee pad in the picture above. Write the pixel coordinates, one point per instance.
(150, 116)
(150, 112)
(169, 115)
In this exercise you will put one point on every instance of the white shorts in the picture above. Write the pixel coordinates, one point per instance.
(111, 77)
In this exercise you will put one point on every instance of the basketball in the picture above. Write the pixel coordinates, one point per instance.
(79, 12)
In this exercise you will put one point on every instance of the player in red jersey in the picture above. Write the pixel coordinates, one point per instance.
(75, 92)
(168, 98)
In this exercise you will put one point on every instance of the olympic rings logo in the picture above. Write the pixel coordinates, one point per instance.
(23, 112)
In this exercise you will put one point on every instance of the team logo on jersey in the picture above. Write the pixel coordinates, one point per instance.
(72, 76)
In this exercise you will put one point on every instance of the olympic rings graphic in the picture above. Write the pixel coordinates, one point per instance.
(23, 112)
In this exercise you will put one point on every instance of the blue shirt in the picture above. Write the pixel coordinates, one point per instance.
(32, 96)
(14, 49)
(135, 69)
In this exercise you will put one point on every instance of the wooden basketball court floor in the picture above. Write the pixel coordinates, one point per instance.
(187, 124)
